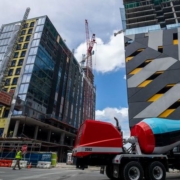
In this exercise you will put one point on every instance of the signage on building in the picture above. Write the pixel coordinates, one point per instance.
(5, 98)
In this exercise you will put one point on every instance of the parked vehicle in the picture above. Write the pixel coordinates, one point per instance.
(153, 148)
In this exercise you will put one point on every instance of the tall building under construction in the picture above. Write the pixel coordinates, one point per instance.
(152, 54)
(41, 86)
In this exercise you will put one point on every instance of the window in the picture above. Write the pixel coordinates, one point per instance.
(5, 89)
(33, 51)
(16, 55)
(160, 49)
(21, 39)
(10, 73)
(32, 24)
(26, 78)
(20, 62)
(25, 25)
(18, 70)
(23, 53)
(13, 63)
(14, 81)
(30, 59)
(7, 82)
(6, 112)
(175, 38)
(23, 32)
(25, 46)
(28, 68)
(18, 47)
(30, 31)
(28, 38)
(23, 88)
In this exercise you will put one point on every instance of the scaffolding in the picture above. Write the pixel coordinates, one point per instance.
(9, 147)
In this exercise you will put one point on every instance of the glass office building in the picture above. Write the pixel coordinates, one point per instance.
(152, 53)
(44, 81)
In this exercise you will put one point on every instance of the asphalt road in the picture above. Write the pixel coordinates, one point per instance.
(59, 174)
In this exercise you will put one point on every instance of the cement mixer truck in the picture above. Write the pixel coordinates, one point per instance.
(152, 149)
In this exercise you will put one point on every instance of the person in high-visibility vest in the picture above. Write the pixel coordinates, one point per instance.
(18, 157)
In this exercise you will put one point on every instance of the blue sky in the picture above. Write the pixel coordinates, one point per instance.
(108, 61)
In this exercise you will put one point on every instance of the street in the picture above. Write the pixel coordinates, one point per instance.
(59, 174)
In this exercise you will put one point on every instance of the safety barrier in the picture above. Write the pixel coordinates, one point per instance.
(43, 164)
(23, 164)
(5, 163)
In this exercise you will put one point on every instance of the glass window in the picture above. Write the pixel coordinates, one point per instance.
(39, 28)
(23, 88)
(41, 21)
(33, 51)
(30, 31)
(22, 97)
(28, 68)
(23, 32)
(32, 24)
(16, 54)
(6, 113)
(31, 59)
(15, 81)
(35, 42)
(25, 25)
(10, 73)
(7, 82)
(25, 46)
(20, 62)
(23, 53)
(21, 39)
(26, 78)
(18, 47)
(28, 38)
(18, 70)
(37, 35)
(13, 63)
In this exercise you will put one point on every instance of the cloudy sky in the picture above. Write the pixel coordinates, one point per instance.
(108, 61)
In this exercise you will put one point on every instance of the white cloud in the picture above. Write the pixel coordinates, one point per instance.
(124, 77)
(68, 16)
(108, 56)
(121, 114)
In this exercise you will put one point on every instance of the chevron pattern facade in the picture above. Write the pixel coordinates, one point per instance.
(153, 74)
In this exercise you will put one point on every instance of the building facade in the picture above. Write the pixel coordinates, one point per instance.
(152, 55)
(41, 83)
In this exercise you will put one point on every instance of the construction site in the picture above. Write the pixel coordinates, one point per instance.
(45, 94)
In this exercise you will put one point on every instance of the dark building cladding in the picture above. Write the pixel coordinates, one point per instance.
(47, 83)
(152, 52)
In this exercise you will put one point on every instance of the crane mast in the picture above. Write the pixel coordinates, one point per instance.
(88, 95)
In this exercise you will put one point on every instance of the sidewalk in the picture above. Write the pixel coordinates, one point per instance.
(64, 165)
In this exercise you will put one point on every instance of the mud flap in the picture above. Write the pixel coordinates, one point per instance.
(116, 171)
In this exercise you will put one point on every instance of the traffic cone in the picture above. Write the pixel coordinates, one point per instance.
(29, 165)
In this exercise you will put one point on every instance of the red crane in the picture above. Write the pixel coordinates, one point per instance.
(90, 44)
(89, 97)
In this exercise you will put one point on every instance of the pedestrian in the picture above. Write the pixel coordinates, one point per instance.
(18, 157)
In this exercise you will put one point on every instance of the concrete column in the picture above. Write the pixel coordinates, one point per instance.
(49, 136)
(36, 132)
(16, 129)
(62, 138)
(71, 141)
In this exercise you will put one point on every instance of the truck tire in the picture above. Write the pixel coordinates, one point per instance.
(133, 171)
(155, 171)
(109, 172)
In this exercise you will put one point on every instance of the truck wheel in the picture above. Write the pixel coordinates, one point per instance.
(109, 172)
(156, 171)
(133, 171)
